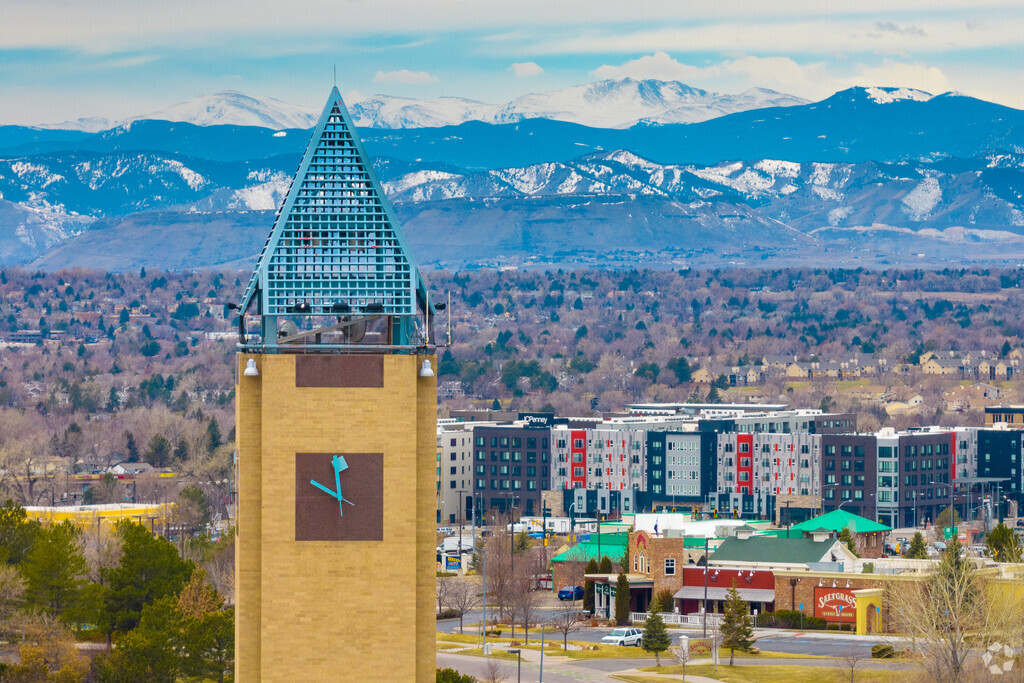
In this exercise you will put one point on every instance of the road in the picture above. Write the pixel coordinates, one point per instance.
(553, 672)
(771, 640)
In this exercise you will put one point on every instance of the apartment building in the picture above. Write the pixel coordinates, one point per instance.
(454, 472)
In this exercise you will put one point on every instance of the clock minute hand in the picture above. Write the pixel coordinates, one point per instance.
(332, 494)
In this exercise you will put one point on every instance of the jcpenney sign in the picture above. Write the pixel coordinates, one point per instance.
(537, 419)
(827, 602)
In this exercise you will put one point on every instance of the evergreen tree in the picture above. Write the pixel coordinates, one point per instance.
(1005, 351)
(917, 550)
(588, 587)
(131, 447)
(17, 533)
(680, 368)
(213, 433)
(622, 600)
(54, 570)
(181, 451)
(846, 537)
(496, 405)
(150, 569)
(737, 633)
(1003, 545)
(113, 400)
(606, 565)
(655, 638)
(158, 454)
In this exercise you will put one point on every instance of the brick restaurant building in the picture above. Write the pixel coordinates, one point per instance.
(755, 586)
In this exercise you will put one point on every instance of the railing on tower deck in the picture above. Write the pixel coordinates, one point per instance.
(695, 619)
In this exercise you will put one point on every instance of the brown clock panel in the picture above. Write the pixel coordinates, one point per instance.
(321, 516)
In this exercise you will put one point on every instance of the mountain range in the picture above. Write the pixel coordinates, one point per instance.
(869, 175)
(606, 104)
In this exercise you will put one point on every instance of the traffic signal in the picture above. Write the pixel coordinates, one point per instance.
(735, 512)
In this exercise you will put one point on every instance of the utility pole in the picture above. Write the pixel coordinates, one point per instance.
(462, 515)
(483, 572)
(705, 587)
(544, 511)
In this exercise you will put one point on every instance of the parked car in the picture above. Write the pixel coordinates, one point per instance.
(624, 636)
(445, 530)
(570, 593)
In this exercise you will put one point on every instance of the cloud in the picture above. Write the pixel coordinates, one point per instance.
(659, 66)
(526, 69)
(127, 62)
(740, 73)
(814, 80)
(791, 36)
(405, 77)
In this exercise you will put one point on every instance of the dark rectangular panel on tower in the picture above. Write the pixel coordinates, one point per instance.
(352, 371)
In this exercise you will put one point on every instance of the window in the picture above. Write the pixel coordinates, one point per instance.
(577, 443)
(451, 484)
(670, 566)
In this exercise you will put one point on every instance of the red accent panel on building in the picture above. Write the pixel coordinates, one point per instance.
(581, 453)
(748, 440)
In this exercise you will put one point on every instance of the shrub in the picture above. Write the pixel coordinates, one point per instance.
(789, 618)
(453, 676)
(882, 651)
(448, 614)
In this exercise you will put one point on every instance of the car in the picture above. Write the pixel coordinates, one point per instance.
(624, 636)
(445, 530)
(570, 593)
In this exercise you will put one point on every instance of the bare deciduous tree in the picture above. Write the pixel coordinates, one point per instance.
(847, 665)
(463, 597)
(12, 590)
(681, 655)
(568, 622)
(494, 672)
(950, 612)
(443, 590)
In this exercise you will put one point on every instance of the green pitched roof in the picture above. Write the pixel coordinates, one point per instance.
(612, 545)
(771, 549)
(837, 520)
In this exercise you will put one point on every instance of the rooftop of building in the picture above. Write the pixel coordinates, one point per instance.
(837, 520)
(772, 549)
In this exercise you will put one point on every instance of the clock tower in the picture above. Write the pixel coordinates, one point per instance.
(336, 432)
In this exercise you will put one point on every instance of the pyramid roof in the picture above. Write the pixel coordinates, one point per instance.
(336, 245)
(837, 520)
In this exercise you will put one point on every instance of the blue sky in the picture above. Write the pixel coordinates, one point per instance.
(64, 59)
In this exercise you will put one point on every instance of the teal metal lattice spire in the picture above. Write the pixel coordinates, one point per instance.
(336, 245)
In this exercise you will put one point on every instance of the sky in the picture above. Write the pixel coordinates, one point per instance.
(65, 59)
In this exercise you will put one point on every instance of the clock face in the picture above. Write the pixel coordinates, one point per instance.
(339, 497)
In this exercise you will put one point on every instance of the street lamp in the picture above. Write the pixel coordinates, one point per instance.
(519, 664)
(461, 520)
(543, 624)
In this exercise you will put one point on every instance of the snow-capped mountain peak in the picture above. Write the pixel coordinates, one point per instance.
(236, 109)
(612, 103)
(889, 95)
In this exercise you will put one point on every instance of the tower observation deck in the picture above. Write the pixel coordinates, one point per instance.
(336, 272)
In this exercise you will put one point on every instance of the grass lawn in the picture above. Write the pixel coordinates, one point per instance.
(495, 653)
(608, 652)
(774, 674)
